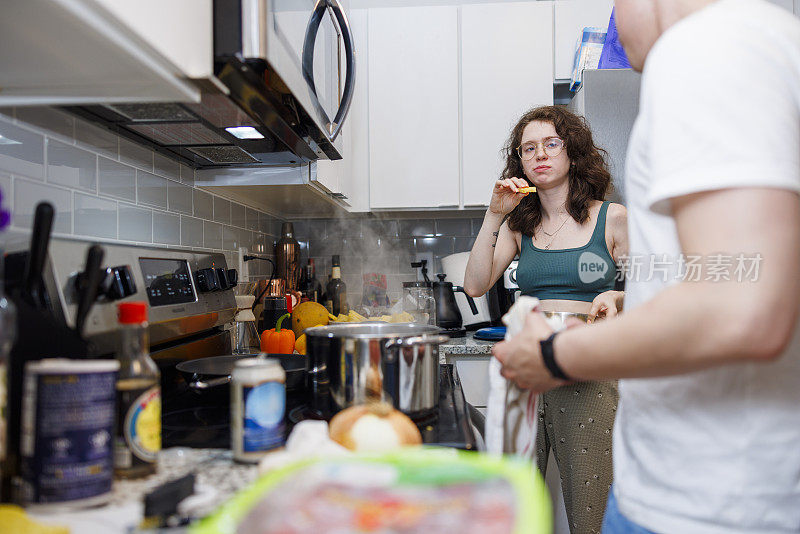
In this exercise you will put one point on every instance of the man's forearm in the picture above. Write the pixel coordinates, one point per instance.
(662, 337)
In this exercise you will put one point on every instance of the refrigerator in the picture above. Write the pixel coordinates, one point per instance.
(609, 100)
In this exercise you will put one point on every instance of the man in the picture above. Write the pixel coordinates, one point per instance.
(708, 349)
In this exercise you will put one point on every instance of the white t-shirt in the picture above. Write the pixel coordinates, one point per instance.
(716, 451)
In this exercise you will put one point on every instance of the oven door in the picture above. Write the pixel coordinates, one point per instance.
(309, 45)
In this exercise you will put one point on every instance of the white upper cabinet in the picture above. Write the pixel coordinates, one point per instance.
(571, 16)
(355, 181)
(348, 178)
(413, 107)
(77, 52)
(506, 69)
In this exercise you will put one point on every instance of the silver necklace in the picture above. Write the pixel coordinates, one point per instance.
(553, 235)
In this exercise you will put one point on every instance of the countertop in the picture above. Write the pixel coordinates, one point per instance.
(218, 477)
(465, 345)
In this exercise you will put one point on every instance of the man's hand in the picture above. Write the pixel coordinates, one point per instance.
(521, 356)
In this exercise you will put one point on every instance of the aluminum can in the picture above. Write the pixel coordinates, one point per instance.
(258, 405)
(66, 443)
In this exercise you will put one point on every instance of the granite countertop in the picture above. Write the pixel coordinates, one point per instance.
(466, 345)
(218, 479)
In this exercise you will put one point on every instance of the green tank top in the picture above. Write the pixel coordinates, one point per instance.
(568, 274)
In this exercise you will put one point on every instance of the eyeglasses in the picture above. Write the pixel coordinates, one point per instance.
(551, 146)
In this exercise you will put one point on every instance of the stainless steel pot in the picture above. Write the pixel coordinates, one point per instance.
(351, 364)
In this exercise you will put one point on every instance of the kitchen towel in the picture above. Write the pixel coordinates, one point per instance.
(512, 412)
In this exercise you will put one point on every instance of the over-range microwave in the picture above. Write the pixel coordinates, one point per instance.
(306, 47)
(284, 75)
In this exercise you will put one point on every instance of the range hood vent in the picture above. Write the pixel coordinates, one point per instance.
(198, 134)
(153, 112)
(223, 155)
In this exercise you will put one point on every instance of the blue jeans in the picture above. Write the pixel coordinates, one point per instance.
(616, 523)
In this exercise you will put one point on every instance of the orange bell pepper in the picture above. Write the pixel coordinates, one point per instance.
(277, 340)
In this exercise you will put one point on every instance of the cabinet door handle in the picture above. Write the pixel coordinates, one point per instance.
(334, 126)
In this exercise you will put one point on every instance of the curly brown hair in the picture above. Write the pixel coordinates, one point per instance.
(589, 178)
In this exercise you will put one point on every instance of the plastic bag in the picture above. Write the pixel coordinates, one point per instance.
(613, 55)
(587, 54)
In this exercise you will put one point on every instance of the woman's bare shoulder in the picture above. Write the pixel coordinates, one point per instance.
(617, 213)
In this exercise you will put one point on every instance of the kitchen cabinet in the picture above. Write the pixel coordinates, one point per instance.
(570, 17)
(413, 107)
(348, 178)
(506, 69)
(77, 51)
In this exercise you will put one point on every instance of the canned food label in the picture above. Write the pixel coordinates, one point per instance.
(143, 425)
(264, 406)
(68, 420)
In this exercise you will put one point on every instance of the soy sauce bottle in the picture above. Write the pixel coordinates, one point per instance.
(137, 439)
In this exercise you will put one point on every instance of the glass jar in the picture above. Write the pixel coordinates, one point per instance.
(419, 302)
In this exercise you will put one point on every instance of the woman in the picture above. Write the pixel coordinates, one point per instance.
(568, 241)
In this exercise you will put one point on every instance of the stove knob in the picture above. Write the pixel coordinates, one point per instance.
(206, 280)
(222, 276)
(119, 283)
(233, 277)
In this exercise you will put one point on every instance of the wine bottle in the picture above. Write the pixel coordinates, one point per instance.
(310, 287)
(336, 290)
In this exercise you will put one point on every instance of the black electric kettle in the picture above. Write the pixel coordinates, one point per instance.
(447, 315)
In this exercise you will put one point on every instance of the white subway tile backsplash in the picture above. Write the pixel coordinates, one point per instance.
(222, 210)
(264, 223)
(179, 198)
(95, 216)
(237, 215)
(116, 180)
(251, 219)
(135, 224)
(21, 152)
(187, 175)
(166, 228)
(136, 155)
(212, 235)
(230, 238)
(245, 238)
(50, 120)
(70, 166)
(151, 189)
(203, 204)
(28, 194)
(104, 186)
(166, 167)
(191, 231)
(97, 139)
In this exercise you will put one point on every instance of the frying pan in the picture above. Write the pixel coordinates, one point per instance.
(206, 373)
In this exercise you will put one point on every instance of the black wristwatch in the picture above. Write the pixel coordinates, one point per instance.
(549, 358)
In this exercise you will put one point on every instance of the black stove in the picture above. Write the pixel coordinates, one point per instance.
(198, 421)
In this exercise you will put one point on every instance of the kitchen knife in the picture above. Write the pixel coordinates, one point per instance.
(32, 291)
(92, 276)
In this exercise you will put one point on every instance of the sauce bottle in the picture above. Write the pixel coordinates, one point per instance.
(137, 438)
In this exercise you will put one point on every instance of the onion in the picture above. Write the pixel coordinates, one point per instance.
(375, 427)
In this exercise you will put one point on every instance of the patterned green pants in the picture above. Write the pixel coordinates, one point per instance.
(576, 421)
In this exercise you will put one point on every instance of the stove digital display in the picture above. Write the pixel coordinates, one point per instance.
(167, 281)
